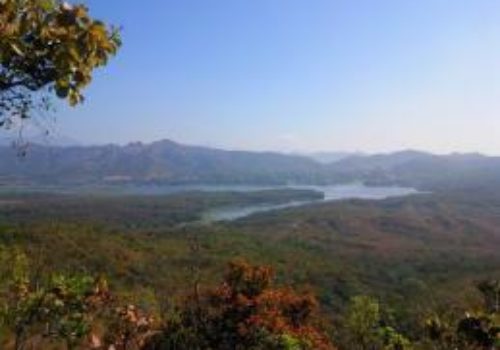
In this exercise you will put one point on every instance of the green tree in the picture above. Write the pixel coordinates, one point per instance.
(362, 322)
(62, 311)
(490, 290)
(48, 48)
(479, 329)
(365, 330)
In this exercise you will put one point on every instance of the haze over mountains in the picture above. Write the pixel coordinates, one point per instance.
(168, 162)
(330, 157)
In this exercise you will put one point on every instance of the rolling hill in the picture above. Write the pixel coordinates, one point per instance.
(168, 162)
(162, 162)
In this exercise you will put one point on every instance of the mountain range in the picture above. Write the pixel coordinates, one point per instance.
(168, 162)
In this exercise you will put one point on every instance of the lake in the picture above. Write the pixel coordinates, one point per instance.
(331, 193)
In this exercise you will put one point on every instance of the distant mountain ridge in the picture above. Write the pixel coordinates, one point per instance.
(168, 162)
(331, 157)
(163, 161)
(422, 170)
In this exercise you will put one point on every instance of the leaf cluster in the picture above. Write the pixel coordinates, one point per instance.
(246, 312)
(48, 47)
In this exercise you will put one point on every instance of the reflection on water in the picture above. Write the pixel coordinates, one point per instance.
(331, 193)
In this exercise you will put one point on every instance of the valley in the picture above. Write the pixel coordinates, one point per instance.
(249, 175)
(413, 249)
(396, 249)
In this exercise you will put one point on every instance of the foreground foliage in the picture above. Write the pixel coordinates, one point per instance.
(47, 48)
(244, 312)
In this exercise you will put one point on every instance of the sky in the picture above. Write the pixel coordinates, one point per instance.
(298, 75)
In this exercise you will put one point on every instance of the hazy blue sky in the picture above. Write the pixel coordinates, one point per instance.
(299, 75)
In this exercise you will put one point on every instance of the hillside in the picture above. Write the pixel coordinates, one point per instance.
(167, 162)
(420, 170)
(413, 254)
(163, 161)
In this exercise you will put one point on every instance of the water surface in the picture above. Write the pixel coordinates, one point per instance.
(331, 193)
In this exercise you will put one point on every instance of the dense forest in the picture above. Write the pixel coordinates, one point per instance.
(401, 273)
